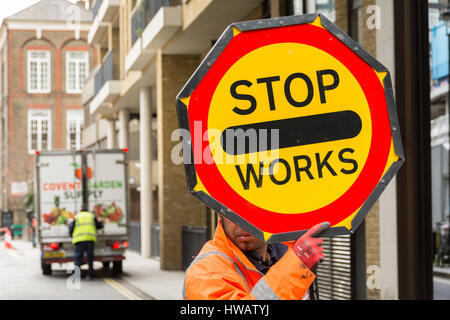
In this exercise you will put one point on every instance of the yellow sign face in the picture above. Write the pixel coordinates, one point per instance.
(289, 127)
(300, 173)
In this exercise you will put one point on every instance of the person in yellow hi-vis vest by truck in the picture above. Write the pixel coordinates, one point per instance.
(84, 236)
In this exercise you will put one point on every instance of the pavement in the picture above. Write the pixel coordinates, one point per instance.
(145, 274)
(441, 271)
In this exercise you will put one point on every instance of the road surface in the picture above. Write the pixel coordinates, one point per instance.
(21, 278)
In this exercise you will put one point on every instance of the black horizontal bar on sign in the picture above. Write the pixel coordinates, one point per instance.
(293, 132)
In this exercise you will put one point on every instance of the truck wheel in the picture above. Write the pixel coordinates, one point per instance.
(46, 268)
(117, 267)
(106, 265)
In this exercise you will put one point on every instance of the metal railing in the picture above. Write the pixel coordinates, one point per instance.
(96, 7)
(105, 73)
(89, 86)
(143, 14)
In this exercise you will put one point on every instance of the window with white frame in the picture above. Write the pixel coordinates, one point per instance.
(77, 69)
(38, 71)
(39, 130)
(75, 124)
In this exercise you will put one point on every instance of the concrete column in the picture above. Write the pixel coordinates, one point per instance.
(124, 118)
(298, 7)
(388, 199)
(310, 6)
(111, 134)
(145, 124)
(110, 37)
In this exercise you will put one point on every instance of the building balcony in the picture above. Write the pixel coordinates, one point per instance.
(205, 21)
(106, 86)
(153, 23)
(103, 12)
(89, 86)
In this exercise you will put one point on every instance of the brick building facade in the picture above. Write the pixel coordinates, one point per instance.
(45, 60)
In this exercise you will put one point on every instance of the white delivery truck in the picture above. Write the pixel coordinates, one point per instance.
(67, 179)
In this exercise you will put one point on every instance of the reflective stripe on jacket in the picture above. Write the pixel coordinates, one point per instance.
(222, 271)
(84, 228)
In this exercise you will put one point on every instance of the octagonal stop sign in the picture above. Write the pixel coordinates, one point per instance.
(291, 123)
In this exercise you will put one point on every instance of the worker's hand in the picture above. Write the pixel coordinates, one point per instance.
(308, 248)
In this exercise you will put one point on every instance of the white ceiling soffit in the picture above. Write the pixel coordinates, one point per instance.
(209, 25)
(130, 99)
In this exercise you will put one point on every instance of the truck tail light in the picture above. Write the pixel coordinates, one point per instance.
(54, 246)
(119, 245)
(51, 246)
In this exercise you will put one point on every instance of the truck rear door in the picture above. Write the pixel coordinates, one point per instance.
(58, 195)
(107, 191)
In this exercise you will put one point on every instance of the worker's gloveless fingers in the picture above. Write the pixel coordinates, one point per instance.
(317, 229)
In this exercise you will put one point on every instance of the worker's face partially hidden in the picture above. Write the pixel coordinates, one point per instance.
(242, 239)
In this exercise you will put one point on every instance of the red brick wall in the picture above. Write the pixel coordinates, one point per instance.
(21, 164)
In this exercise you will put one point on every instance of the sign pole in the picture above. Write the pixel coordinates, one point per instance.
(84, 181)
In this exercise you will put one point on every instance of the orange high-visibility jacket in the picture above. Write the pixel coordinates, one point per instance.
(222, 271)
